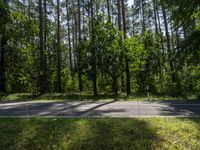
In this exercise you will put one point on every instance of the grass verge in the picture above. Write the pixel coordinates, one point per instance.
(100, 133)
(84, 97)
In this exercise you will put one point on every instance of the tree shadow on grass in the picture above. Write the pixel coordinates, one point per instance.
(115, 133)
(85, 134)
(10, 131)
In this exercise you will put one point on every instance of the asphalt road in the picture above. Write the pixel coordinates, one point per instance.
(100, 109)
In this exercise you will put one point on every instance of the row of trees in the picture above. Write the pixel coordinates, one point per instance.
(101, 46)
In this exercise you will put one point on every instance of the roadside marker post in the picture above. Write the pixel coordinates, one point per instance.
(26, 113)
(148, 94)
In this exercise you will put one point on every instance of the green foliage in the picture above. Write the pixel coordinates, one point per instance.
(22, 68)
(68, 82)
(136, 53)
(173, 72)
(195, 75)
(196, 16)
(4, 15)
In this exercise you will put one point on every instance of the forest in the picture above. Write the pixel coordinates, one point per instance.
(100, 47)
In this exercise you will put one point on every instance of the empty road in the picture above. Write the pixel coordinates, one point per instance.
(100, 109)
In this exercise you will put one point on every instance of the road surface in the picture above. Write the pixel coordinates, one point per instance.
(100, 109)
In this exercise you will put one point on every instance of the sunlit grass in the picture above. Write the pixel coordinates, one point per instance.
(104, 133)
(84, 97)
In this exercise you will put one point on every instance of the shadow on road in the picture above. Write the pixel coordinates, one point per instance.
(180, 108)
(81, 109)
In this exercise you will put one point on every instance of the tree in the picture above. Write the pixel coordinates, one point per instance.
(128, 83)
(58, 48)
(108, 10)
(168, 41)
(69, 36)
(4, 18)
(106, 41)
(93, 52)
(41, 37)
(79, 53)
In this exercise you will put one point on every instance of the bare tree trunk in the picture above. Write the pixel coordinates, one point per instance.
(108, 10)
(2, 57)
(168, 41)
(45, 45)
(128, 82)
(155, 16)
(157, 33)
(58, 48)
(83, 18)
(73, 39)
(2, 62)
(41, 80)
(119, 14)
(69, 37)
(120, 29)
(160, 30)
(143, 18)
(94, 63)
(45, 33)
(115, 86)
(79, 52)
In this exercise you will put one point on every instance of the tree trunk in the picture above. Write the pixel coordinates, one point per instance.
(45, 46)
(120, 29)
(73, 41)
(79, 52)
(119, 14)
(41, 36)
(143, 18)
(115, 86)
(2, 57)
(128, 84)
(2, 63)
(108, 10)
(160, 30)
(69, 38)
(58, 48)
(155, 16)
(94, 63)
(168, 41)
(45, 35)
(156, 31)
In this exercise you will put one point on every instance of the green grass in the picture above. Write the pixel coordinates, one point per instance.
(101, 133)
(82, 97)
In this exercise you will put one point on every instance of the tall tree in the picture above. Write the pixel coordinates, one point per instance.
(41, 36)
(119, 14)
(93, 52)
(45, 35)
(79, 51)
(108, 10)
(58, 48)
(159, 27)
(2, 62)
(168, 40)
(143, 16)
(4, 39)
(128, 82)
(69, 36)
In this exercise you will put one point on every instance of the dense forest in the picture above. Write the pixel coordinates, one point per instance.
(100, 46)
